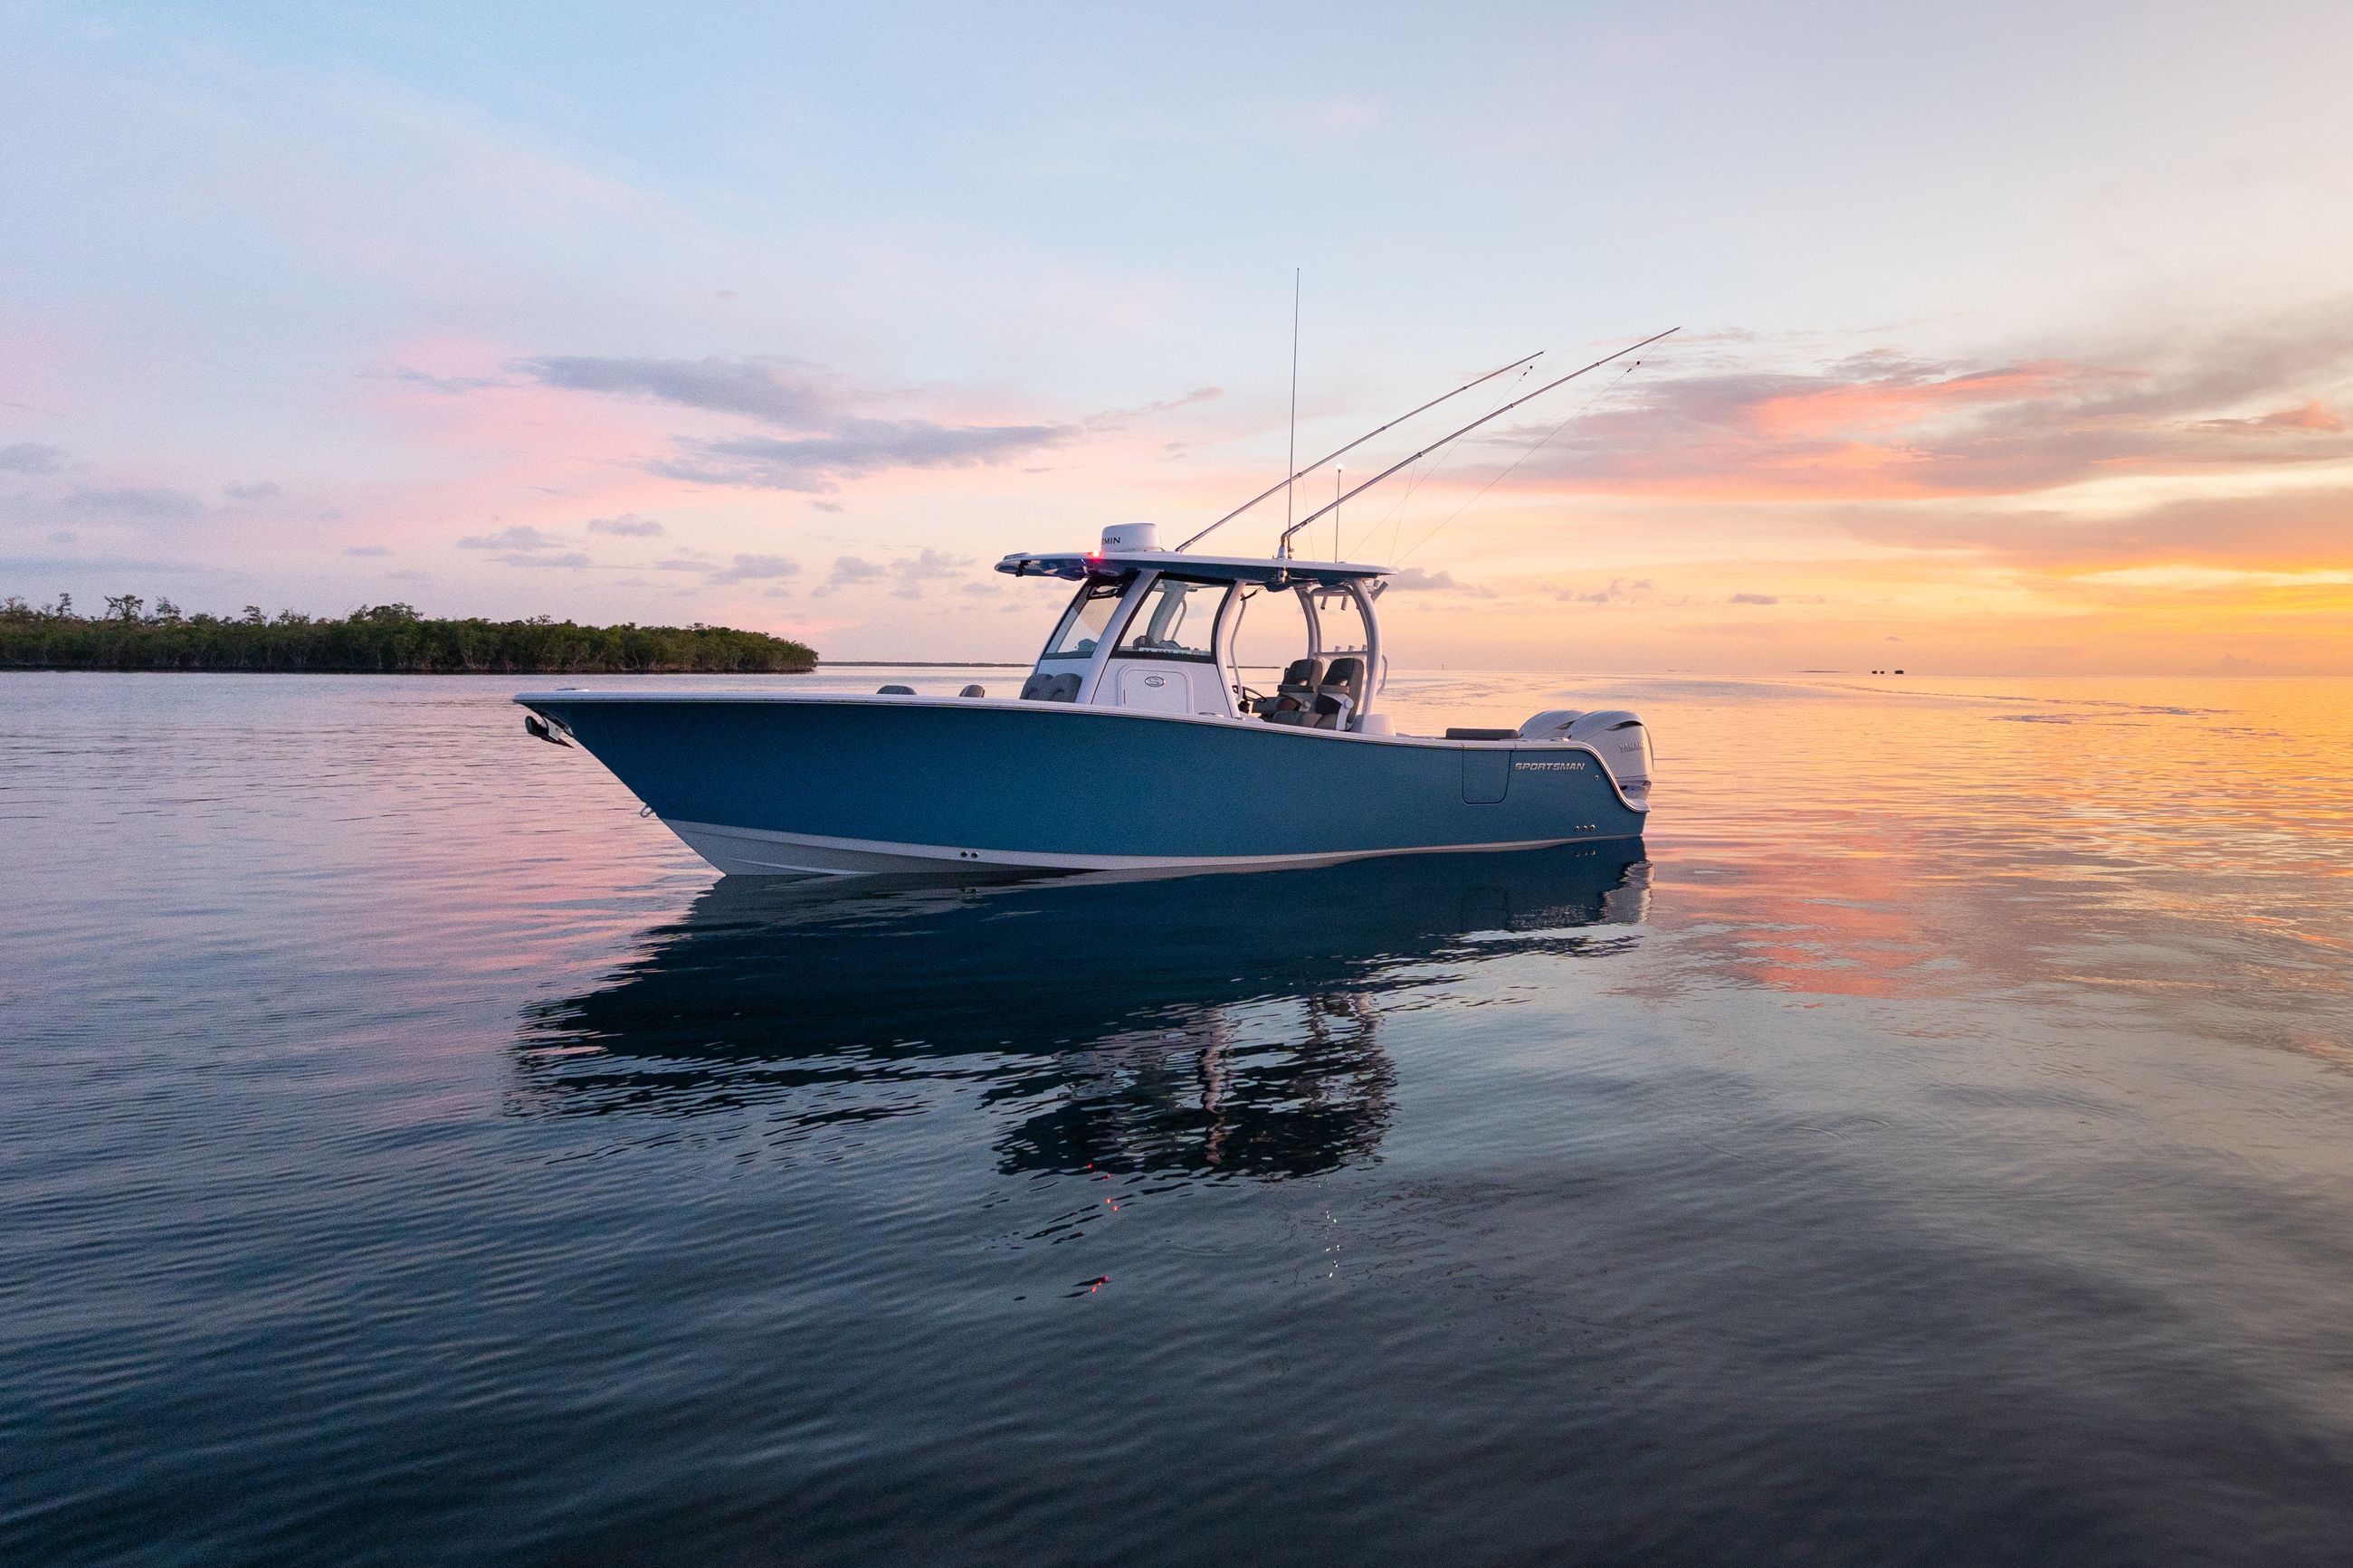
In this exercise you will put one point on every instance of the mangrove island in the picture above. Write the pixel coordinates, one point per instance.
(375, 639)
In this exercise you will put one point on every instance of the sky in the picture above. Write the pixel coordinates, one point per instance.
(2014, 339)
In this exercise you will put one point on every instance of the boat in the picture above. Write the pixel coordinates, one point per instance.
(1138, 743)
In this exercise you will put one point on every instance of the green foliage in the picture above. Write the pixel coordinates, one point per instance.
(372, 639)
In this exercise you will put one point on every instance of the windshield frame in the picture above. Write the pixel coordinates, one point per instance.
(1109, 592)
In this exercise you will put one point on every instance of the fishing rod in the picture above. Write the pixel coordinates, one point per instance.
(1283, 546)
(1575, 414)
(1352, 447)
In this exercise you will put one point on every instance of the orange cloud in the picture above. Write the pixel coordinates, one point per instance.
(2295, 531)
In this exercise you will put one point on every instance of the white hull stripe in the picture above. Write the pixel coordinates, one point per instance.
(758, 850)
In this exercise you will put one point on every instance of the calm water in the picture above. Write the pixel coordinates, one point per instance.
(1935, 1145)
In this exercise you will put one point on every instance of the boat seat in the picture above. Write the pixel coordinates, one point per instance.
(1460, 734)
(1335, 694)
(1293, 701)
(1044, 688)
(1331, 712)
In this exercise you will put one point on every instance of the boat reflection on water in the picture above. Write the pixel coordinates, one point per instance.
(1206, 1024)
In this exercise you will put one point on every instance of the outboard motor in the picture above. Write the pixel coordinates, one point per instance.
(1552, 725)
(1625, 747)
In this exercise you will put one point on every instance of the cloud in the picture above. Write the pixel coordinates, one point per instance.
(250, 492)
(911, 575)
(850, 571)
(828, 436)
(856, 446)
(523, 545)
(740, 569)
(148, 567)
(522, 536)
(756, 568)
(1111, 419)
(1414, 580)
(791, 393)
(1887, 426)
(627, 525)
(926, 568)
(2312, 416)
(1619, 592)
(2296, 529)
(156, 504)
(826, 506)
(32, 458)
(932, 563)
(451, 384)
(1755, 599)
(369, 550)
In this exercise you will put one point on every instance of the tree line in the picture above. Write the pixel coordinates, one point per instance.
(373, 640)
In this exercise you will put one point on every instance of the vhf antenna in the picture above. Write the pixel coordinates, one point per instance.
(1290, 457)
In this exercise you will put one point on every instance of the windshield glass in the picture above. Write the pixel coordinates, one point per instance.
(1089, 615)
(1272, 631)
(1177, 620)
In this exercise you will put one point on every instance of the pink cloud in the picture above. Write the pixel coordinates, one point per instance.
(2312, 416)
(1884, 427)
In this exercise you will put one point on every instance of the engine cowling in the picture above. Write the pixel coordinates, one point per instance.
(1624, 742)
(1552, 725)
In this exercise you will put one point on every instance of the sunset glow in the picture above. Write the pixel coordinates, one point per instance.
(798, 324)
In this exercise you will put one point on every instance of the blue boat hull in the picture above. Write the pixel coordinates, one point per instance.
(775, 783)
